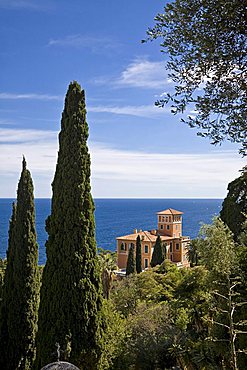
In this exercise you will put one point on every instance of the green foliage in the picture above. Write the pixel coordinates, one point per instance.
(217, 252)
(150, 338)
(206, 45)
(235, 204)
(131, 262)
(138, 255)
(107, 264)
(71, 297)
(186, 299)
(158, 255)
(114, 336)
(3, 263)
(193, 252)
(19, 308)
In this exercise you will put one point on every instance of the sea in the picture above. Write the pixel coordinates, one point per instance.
(118, 217)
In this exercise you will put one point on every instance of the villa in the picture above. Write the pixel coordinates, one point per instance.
(170, 231)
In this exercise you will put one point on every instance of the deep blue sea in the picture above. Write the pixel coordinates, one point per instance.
(117, 217)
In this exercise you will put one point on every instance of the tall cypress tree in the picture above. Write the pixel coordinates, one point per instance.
(19, 310)
(138, 255)
(131, 263)
(71, 297)
(158, 255)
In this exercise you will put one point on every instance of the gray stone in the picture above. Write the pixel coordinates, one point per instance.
(60, 365)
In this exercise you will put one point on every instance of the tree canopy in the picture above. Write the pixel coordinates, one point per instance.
(71, 299)
(158, 255)
(234, 207)
(206, 44)
(19, 308)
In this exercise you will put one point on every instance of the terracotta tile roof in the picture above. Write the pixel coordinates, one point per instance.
(145, 236)
(169, 211)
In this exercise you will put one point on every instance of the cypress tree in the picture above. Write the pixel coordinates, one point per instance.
(131, 263)
(71, 296)
(138, 255)
(158, 255)
(19, 309)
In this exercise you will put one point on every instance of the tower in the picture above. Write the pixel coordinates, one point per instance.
(170, 223)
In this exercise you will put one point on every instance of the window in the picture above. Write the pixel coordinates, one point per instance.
(171, 247)
(177, 246)
(170, 219)
(167, 227)
(131, 245)
(166, 219)
(159, 218)
(171, 257)
(161, 227)
(146, 249)
(145, 263)
(123, 247)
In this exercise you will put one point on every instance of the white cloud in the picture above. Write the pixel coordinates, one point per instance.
(95, 44)
(143, 73)
(131, 110)
(11, 96)
(25, 136)
(21, 4)
(140, 73)
(140, 174)
(118, 173)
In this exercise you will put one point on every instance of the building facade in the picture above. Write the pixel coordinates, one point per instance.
(170, 230)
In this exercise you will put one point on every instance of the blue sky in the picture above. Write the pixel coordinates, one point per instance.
(137, 150)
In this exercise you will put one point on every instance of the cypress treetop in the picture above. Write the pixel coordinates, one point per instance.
(71, 297)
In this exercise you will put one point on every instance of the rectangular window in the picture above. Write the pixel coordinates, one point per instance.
(145, 263)
(167, 227)
(171, 257)
(161, 227)
(171, 247)
(177, 246)
(146, 249)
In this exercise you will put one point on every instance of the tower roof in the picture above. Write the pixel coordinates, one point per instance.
(169, 211)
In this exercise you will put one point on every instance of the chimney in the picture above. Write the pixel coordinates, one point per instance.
(135, 231)
(153, 232)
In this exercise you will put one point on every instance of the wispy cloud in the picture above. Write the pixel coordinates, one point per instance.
(141, 174)
(150, 111)
(95, 44)
(22, 4)
(11, 96)
(119, 173)
(140, 73)
(6, 122)
(143, 73)
(25, 136)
